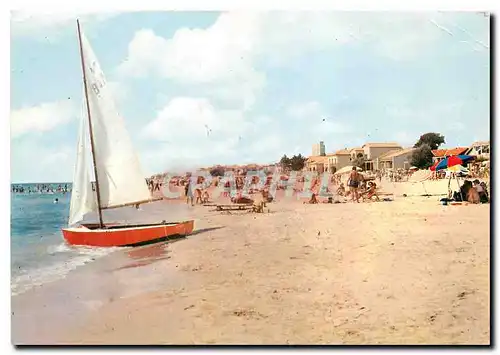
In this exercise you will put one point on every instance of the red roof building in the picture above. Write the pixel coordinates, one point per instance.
(440, 154)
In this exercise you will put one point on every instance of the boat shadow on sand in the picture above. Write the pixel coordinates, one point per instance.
(152, 252)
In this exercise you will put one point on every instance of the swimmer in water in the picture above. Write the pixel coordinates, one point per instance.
(56, 200)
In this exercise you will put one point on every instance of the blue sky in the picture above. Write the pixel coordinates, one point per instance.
(264, 83)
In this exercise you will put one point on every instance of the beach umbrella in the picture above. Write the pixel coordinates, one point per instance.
(413, 168)
(457, 169)
(433, 168)
(453, 160)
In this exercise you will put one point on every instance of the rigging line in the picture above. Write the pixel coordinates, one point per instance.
(460, 28)
(469, 34)
(441, 27)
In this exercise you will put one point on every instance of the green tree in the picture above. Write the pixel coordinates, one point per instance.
(422, 157)
(285, 162)
(432, 139)
(297, 162)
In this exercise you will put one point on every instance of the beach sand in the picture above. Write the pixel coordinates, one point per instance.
(410, 271)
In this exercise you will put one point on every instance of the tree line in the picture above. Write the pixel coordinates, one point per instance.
(295, 163)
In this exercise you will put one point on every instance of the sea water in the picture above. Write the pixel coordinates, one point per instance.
(39, 253)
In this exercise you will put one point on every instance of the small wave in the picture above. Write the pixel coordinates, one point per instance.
(96, 252)
(59, 248)
(81, 250)
(28, 279)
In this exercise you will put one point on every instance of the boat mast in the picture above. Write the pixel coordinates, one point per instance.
(101, 224)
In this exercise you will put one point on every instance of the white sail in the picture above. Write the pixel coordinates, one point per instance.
(120, 177)
(82, 197)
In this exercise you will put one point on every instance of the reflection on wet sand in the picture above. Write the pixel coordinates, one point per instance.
(148, 254)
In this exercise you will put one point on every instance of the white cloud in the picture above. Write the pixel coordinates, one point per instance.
(191, 131)
(44, 23)
(222, 51)
(189, 119)
(232, 45)
(225, 54)
(119, 91)
(220, 56)
(227, 57)
(41, 118)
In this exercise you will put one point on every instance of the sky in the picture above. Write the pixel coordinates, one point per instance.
(200, 88)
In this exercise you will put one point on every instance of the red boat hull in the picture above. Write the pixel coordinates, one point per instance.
(114, 236)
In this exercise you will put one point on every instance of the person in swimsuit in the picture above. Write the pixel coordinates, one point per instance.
(189, 193)
(353, 183)
(372, 191)
(483, 197)
(197, 192)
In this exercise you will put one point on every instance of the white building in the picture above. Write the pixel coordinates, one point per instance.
(395, 159)
(480, 150)
(373, 150)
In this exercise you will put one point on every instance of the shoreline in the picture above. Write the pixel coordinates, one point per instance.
(304, 274)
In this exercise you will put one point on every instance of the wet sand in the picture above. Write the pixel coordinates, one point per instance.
(404, 272)
(42, 313)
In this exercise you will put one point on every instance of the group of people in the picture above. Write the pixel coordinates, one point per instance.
(472, 192)
(477, 170)
(358, 187)
(154, 185)
(40, 188)
(398, 175)
(195, 195)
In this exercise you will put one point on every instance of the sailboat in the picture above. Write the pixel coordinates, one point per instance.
(119, 181)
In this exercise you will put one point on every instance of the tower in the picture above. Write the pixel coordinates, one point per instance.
(318, 149)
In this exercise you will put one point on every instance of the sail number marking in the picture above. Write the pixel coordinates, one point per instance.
(98, 79)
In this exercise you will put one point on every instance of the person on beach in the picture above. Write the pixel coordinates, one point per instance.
(483, 195)
(371, 191)
(341, 190)
(485, 189)
(312, 200)
(227, 189)
(206, 196)
(239, 198)
(473, 196)
(463, 194)
(189, 193)
(353, 183)
(197, 193)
